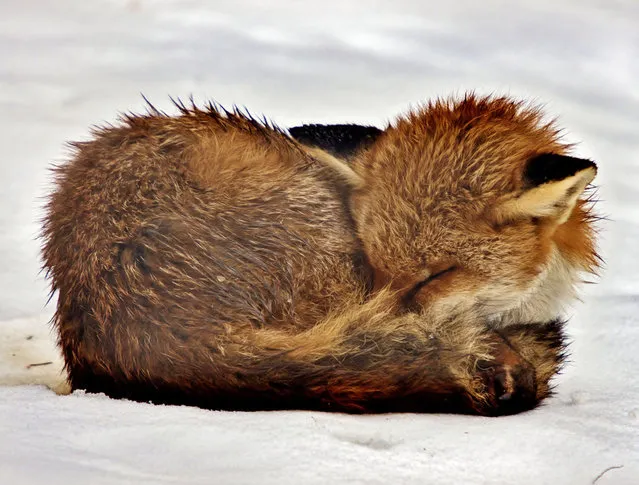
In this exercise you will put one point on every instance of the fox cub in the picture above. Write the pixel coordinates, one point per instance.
(213, 260)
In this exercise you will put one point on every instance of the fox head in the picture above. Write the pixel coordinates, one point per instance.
(475, 205)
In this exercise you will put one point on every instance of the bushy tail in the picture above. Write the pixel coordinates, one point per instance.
(367, 358)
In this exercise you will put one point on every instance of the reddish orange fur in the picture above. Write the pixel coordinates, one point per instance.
(432, 181)
(209, 259)
(576, 239)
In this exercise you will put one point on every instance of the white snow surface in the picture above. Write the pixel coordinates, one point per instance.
(65, 65)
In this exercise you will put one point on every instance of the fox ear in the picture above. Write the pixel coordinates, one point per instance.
(552, 185)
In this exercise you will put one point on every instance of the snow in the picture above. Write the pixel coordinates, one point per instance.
(65, 65)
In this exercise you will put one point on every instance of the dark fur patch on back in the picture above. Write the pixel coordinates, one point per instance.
(342, 141)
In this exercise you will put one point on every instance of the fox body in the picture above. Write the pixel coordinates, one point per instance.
(213, 260)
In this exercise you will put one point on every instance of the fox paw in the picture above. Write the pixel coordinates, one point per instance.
(509, 383)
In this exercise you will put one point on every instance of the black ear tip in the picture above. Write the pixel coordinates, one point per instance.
(549, 167)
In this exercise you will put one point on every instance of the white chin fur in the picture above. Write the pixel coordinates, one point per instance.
(553, 291)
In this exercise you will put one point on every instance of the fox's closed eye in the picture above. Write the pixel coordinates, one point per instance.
(430, 279)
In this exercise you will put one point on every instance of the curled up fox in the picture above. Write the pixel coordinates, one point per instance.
(213, 260)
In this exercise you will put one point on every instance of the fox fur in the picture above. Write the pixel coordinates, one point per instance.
(213, 260)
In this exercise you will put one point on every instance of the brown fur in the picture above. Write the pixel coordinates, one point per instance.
(436, 181)
(209, 259)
